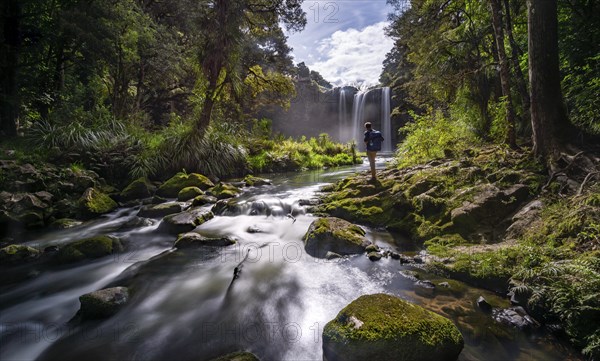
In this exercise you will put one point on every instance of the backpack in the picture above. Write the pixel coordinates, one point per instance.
(375, 140)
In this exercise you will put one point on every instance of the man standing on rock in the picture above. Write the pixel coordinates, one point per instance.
(373, 140)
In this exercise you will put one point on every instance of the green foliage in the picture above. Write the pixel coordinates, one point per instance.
(581, 88)
(432, 136)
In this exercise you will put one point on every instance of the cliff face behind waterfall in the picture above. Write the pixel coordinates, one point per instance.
(315, 111)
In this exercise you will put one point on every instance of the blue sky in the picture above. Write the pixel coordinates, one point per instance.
(344, 40)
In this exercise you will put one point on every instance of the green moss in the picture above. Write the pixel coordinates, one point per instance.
(252, 181)
(95, 202)
(16, 253)
(172, 186)
(138, 189)
(188, 193)
(224, 191)
(89, 248)
(382, 325)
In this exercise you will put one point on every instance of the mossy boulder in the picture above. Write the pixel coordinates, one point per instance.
(16, 253)
(103, 303)
(160, 210)
(252, 181)
(195, 240)
(332, 234)
(203, 199)
(65, 223)
(385, 327)
(89, 248)
(93, 202)
(224, 191)
(185, 221)
(237, 356)
(172, 186)
(138, 189)
(188, 193)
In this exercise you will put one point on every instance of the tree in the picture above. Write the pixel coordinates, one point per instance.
(548, 113)
(225, 24)
(504, 71)
(11, 15)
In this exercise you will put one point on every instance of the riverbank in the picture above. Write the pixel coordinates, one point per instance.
(492, 219)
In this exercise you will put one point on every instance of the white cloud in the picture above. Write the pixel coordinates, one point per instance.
(353, 56)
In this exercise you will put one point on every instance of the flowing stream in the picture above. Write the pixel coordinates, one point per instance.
(184, 305)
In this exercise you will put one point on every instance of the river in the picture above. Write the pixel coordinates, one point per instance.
(184, 305)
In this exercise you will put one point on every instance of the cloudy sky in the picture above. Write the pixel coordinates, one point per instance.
(344, 40)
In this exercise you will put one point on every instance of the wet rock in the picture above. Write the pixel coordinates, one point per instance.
(172, 186)
(89, 248)
(226, 207)
(193, 240)
(252, 181)
(17, 254)
(515, 317)
(93, 202)
(136, 222)
(254, 229)
(65, 223)
(385, 327)
(332, 255)
(203, 199)
(138, 189)
(308, 202)
(224, 191)
(483, 304)
(395, 255)
(335, 235)
(103, 303)
(188, 193)
(158, 200)
(426, 284)
(160, 210)
(374, 256)
(51, 250)
(185, 221)
(237, 356)
(372, 248)
(410, 275)
(44, 196)
(444, 284)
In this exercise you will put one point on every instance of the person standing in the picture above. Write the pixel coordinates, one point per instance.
(373, 140)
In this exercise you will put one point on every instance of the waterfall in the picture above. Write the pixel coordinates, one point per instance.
(374, 106)
(342, 114)
(358, 111)
(386, 124)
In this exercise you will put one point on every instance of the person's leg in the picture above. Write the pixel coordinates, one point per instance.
(371, 155)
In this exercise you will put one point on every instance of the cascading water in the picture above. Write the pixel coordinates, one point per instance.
(386, 123)
(358, 110)
(365, 108)
(185, 306)
(342, 111)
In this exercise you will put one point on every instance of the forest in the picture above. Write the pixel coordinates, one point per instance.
(105, 104)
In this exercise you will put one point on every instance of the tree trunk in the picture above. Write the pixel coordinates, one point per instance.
(516, 53)
(9, 103)
(504, 72)
(549, 119)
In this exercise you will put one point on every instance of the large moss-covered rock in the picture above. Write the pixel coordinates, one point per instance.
(185, 221)
(16, 253)
(160, 210)
(332, 234)
(195, 240)
(93, 202)
(172, 186)
(237, 356)
(188, 193)
(103, 303)
(385, 327)
(89, 248)
(203, 199)
(252, 181)
(138, 189)
(224, 191)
